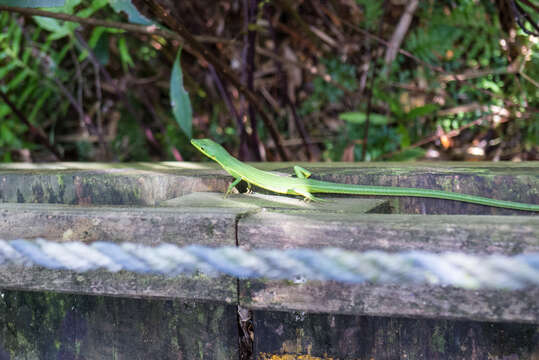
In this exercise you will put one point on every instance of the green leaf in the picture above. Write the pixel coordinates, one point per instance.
(10, 66)
(39, 103)
(101, 49)
(99, 42)
(96, 34)
(16, 40)
(59, 29)
(28, 89)
(404, 133)
(33, 3)
(7, 134)
(132, 13)
(53, 26)
(17, 79)
(422, 111)
(179, 99)
(4, 111)
(360, 118)
(124, 54)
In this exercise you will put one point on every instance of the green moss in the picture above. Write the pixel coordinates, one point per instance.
(60, 180)
(438, 341)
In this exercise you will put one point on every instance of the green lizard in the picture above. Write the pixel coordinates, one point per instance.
(305, 187)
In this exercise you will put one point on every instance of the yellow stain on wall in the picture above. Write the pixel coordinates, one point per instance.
(264, 356)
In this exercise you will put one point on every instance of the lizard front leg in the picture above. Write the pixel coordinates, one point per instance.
(232, 185)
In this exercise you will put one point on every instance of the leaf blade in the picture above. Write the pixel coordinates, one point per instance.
(33, 3)
(357, 117)
(179, 99)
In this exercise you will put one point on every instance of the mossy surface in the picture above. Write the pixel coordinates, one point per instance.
(65, 326)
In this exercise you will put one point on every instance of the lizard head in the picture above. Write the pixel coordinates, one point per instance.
(208, 147)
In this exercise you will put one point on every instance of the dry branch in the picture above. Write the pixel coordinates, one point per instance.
(400, 31)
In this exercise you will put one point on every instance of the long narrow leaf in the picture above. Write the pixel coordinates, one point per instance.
(33, 3)
(179, 99)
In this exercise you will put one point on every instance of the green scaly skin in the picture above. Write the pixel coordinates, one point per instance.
(306, 187)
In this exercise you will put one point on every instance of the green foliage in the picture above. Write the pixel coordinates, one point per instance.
(130, 145)
(357, 117)
(37, 70)
(60, 29)
(457, 36)
(25, 70)
(325, 92)
(125, 56)
(382, 139)
(373, 10)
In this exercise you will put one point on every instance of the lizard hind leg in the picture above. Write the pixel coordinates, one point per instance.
(307, 196)
(302, 173)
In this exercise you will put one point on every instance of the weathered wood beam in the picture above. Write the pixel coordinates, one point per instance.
(393, 233)
(144, 225)
(150, 184)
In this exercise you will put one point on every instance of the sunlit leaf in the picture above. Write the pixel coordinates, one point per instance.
(33, 3)
(133, 14)
(52, 25)
(57, 27)
(125, 57)
(360, 118)
(179, 99)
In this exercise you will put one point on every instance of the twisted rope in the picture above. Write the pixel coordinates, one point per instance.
(455, 269)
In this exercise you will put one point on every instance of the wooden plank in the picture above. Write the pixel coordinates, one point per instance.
(152, 183)
(49, 325)
(469, 234)
(106, 184)
(391, 232)
(150, 226)
(144, 225)
(296, 335)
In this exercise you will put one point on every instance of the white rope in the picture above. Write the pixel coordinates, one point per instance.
(455, 269)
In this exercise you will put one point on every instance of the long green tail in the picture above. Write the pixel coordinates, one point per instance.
(324, 187)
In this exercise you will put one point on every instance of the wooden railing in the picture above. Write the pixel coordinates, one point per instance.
(151, 316)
